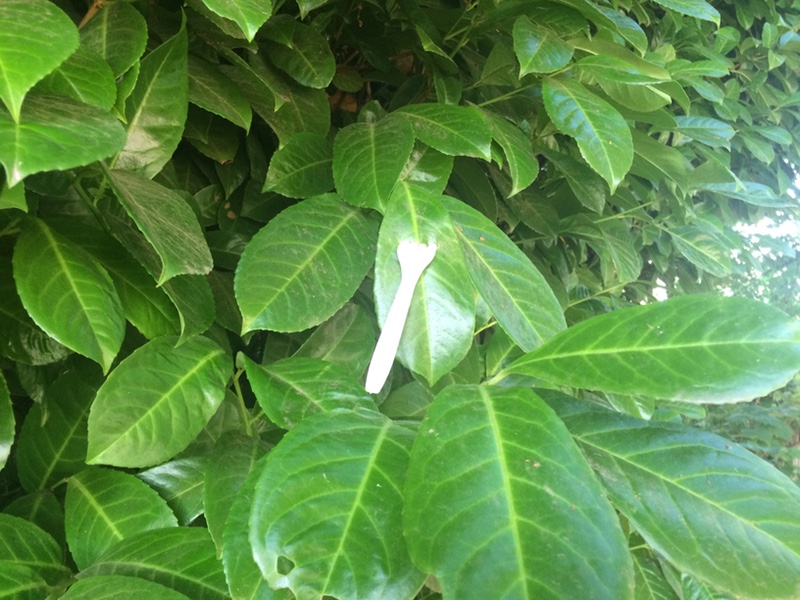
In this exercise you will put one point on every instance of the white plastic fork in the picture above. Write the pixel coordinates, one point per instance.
(414, 258)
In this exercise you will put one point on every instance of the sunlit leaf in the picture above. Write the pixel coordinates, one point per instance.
(452, 130)
(522, 163)
(538, 49)
(693, 8)
(250, 15)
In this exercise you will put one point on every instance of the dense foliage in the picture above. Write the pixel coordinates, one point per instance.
(201, 207)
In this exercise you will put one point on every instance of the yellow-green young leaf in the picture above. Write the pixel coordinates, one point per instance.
(35, 37)
(56, 133)
(302, 168)
(103, 507)
(181, 558)
(516, 292)
(118, 33)
(293, 388)
(441, 320)
(119, 587)
(25, 544)
(304, 265)
(168, 223)
(84, 76)
(360, 552)
(452, 130)
(249, 15)
(712, 508)
(301, 51)
(499, 503)
(156, 109)
(156, 402)
(68, 294)
(603, 136)
(690, 349)
(7, 422)
(210, 89)
(364, 172)
(538, 49)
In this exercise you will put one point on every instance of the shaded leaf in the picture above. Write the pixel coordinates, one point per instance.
(249, 15)
(689, 349)
(357, 551)
(538, 49)
(56, 133)
(85, 77)
(31, 48)
(26, 545)
(181, 558)
(118, 33)
(439, 328)
(612, 240)
(103, 507)
(699, 500)
(302, 168)
(603, 137)
(501, 520)
(19, 582)
(452, 130)
(156, 401)
(7, 423)
(118, 587)
(210, 89)
(301, 51)
(43, 509)
(522, 163)
(703, 247)
(167, 222)
(293, 388)
(516, 292)
(181, 483)
(364, 172)
(156, 108)
(587, 186)
(68, 294)
(304, 265)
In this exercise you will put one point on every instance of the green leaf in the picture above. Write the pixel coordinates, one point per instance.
(751, 192)
(703, 502)
(228, 466)
(118, 587)
(19, 582)
(43, 509)
(693, 8)
(68, 294)
(7, 422)
(346, 339)
(52, 442)
(364, 172)
(712, 132)
(156, 401)
(603, 137)
(502, 520)
(180, 483)
(156, 109)
(249, 15)
(516, 145)
(304, 265)
(85, 77)
(438, 331)
(650, 581)
(688, 349)
(210, 89)
(587, 186)
(26, 545)
(516, 292)
(612, 240)
(357, 551)
(703, 247)
(658, 162)
(103, 507)
(452, 130)
(181, 558)
(167, 222)
(538, 49)
(302, 168)
(619, 70)
(56, 133)
(118, 33)
(428, 168)
(30, 48)
(301, 51)
(291, 389)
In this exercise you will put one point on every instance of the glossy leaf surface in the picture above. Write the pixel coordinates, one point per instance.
(694, 496)
(516, 292)
(452, 130)
(356, 549)
(156, 402)
(103, 507)
(517, 149)
(302, 168)
(180, 558)
(301, 51)
(501, 519)
(68, 294)
(156, 109)
(440, 323)
(291, 389)
(250, 15)
(603, 136)
(7, 422)
(538, 49)
(31, 48)
(364, 172)
(212, 90)
(180, 483)
(304, 265)
(56, 133)
(167, 222)
(691, 349)
(85, 77)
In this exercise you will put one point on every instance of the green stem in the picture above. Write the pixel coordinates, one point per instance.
(508, 95)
